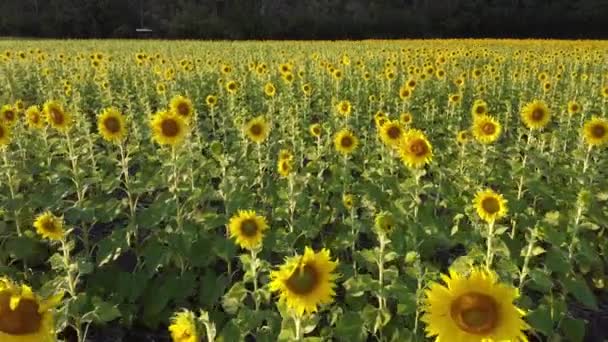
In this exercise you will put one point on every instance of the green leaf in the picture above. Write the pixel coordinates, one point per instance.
(540, 320)
(579, 289)
(233, 299)
(104, 311)
(540, 280)
(573, 329)
(556, 261)
(350, 327)
(229, 333)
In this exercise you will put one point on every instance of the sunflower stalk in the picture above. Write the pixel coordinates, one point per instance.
(586, 162)
(523, 166)
(124, 163)
(524, 270)
(298, 325)
(381, 299)
(11, 188)
(74, 163)
(71, 278)
(490, 251)
(178, 214)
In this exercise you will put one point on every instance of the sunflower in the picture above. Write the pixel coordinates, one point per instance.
(535, 115)
(345, 142)
(257, 129)
(305, 282)
(490, 205)
(247, 228)
(285, 154)
(380, 119)
(486, 129)
(473, 308)
(285, 167)
(480, 107)
(57, 117)
(406, 118)
(605, 92)
(211, 100)
(49, 226)
(24, 316)
(348, 201)
(391, 133)
(34, 117)
(161, 88)
(111, 124)
(182, 106)
(462, 137)
(415, 149)
(405, 92)
(8, 115)
(384, 223)
(315, 130)
(168, 128)
(5, 134)
(344, 108)
(269, 89)
(574, 107)
(232, 87)
(455, 99)
(307, 89)
(595, 131)
(183, 327)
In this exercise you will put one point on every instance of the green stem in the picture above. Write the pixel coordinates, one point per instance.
(490, 252)
(298, 323)
(254, 273)
(524, 269)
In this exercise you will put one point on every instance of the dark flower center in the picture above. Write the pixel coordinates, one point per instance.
(183, 109)
(538, 114)
(249, 227)
(475, 313)
(303, 280)
(490, 205)
(598, 131)
(112, 124)
(24, 320)
(57, 116)
(346, 142)
(480, 109)
(419, 148)
(9, 115)
(169, 128)
(256, 129)
(488, 128)
(394, 132)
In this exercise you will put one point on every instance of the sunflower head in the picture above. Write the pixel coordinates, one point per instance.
(480, 107)
(384, 223)
(405, 92)
(595, 132)
(344, 108)
(111, 124)
(50, 226)
(391, 133)
(305, 281)
(34, 118)
(315, 130)
(455, 99)
(211, 101)
(486, 129)
(285, 167)
(574, 107)
(182, 106)
(269, 89)
(248, 229)
(5, 134)
(8, 115)
(473, 308)
(490, 206)
(184, 327)
(57, 117)
(415, 149)
(345, 142)
(168, 128)
(406, 118)
(24, 316)
(257, 129)
(462, 137)
(535, 115)
(285, 154)
(348, 200)
(232, 87)
(307, 89)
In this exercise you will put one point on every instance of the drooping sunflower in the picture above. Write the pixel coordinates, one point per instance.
(574, 107)
(490, 206)
(111, 124)
(269, 89)
(183, 327)
(182, 106)
(305, 282)
(595, 131)
(315, 130)
(49, 226)
(480, 107)
(168, 128)
(257, 129)
(5, 134)
(24, 316)
(33, 116)
(57, 117)
(486, 129)
(344, 108)
(535, 115)
(384, 223)
(476, 307)
(415, 149)
(247, 228)
(345, 141)
(391, 133)
(8, 115)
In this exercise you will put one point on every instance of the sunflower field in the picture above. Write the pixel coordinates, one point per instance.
(433, 190)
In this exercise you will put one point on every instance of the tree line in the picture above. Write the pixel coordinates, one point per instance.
(309, 19)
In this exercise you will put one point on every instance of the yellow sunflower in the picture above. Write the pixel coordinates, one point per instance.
(345, 142)
(111, 124)
(161, 88)
(574, 107)
(535, 115)
(315, 130)
(380, 119)
(34, 118)
(415, 149)
(486, 129)
(344, 108)
(285, 154)
(8, 115)
(247, 228)
(391, 133)
(168, 128)
(384, 223)
(480, 107)
(490, 206)
(462, 137)
(49, 226)
(257, 129)
(57, 117)
(285, 167)
(182, 106)
(455, 99)
(24, 316)
(269, 89)
(595, 132)
(305, 282)
(605, 92)
(307, 89)
(473, 308)
(183, 327)
(406, 118)
(211, 100)
(232, 87)
(5, 134)
(405, 92)
(348, 201)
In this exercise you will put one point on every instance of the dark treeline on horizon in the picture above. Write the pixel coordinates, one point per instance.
(304, 19)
